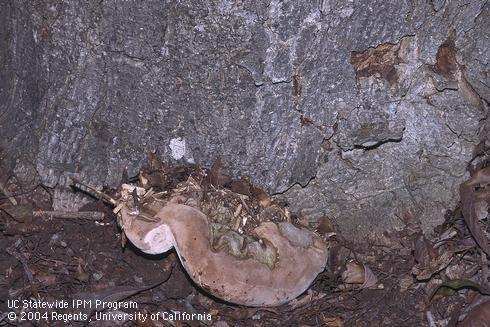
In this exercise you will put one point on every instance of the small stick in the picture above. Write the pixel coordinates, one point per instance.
(430, 319)
(244, 204)
(13, 250)
(118, 208)
(85, 215)
(94, 192)
(484, 268)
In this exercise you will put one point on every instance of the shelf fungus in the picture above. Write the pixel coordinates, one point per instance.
(267, 264)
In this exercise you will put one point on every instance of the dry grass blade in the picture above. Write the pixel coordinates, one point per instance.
(456, 285)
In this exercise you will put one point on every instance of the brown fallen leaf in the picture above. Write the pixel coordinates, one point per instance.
(370, 278)
(475, 198)
(217, 175)
(479, 316)
(154, 162)
(246, 187)
(424, 252)
(326, 226)
(354, 273)
(333, 321)
(262, 196)
(162, 176)
(430, 259)
(241, 186)
(81, 274)
(358, 273)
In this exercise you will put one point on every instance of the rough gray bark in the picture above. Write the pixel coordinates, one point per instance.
(361, 110)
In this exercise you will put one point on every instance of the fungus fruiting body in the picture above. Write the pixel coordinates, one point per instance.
(299, 255)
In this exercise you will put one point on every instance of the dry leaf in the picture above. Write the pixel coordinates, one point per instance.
(217, 175)
(326, 226)
(162, 176)
(81, 274)
(475, 198)
(241, 186)
(359, 274)
(262, 196)
(354, 274)
(370, 278)
(246, 187)
(405, 282)
(154, 162)
(479, 316)
(424, 251)
(333, 321)
(430, 259)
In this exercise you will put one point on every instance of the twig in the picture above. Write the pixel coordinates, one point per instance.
(430, 319)
(13, 250)
(118, 293)
(85, 215)
(484, 268)
(245, 204)
(91, 190)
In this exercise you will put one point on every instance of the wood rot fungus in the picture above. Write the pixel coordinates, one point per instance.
(300, 254)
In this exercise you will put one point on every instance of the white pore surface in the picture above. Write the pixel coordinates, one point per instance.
(159, 240)
(177, 145)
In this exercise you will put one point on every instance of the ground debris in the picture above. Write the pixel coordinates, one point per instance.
(475, 201)
(52, 255)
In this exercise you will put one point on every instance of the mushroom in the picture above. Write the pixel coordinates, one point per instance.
(300, 255)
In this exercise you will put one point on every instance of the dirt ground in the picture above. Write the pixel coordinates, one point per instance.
(387, 282)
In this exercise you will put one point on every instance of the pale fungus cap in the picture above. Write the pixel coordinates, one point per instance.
(300, 255)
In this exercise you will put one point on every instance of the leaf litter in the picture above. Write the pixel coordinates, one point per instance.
(404, 278)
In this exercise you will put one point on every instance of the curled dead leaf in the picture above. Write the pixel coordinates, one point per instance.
(479, 316)
(430, 259)
(160, 175)
(333, 321)
(405, 282)
(354, 273)
(246, 187)
(217, 175)
(358, 273)
(326, 226)
(475, 199)
(81, 274)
